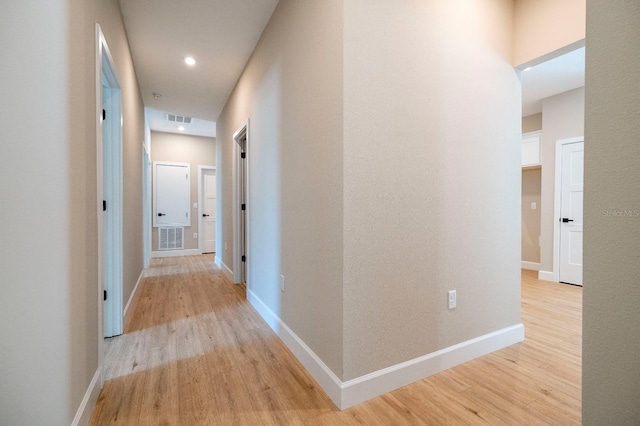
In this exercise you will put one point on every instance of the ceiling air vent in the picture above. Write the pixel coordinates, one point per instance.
(178, 119)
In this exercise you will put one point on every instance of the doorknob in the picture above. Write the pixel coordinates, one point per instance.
(162, 214)
(204, 215)
(566, 219)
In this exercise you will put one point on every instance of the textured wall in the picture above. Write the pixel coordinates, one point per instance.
(611, 364)
(49, 308)
(542, 26)
(195, 150)
(531, 217)
(531, 123)
(431, 177)
(291, 90)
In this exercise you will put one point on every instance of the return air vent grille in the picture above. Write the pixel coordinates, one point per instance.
(170, 238)
(178, 119)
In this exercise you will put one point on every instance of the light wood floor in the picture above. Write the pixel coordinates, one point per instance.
(195, 352)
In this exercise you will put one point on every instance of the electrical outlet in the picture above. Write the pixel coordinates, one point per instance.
(452, 299)
(282, 283)
(195, 205)
(195, 235)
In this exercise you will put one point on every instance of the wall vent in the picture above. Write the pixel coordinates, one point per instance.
(178, 119)
(170, 238)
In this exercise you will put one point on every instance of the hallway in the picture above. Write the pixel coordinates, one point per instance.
(195, 352)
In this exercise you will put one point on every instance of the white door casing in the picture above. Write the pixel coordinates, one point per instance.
(571, 224)
(109, 191)
(241, 207)
(207, 235)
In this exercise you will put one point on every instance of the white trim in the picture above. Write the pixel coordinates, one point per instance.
(532, 266)
(83, 415)
(225, 269)
(174, 253)
(244, 128)
(201, 204)
(132, 297)
(557, 192)
(388, 379)
(109, 187)
(358, 390)
(327, 380)
(546, 276)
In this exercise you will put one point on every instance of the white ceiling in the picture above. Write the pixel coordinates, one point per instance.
(557, 75)
(219, 34)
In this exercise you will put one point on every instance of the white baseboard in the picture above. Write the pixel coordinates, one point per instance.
(83, 415)
(546, 276)
(388, 379)
(132, 298)
(225, 269)
(358, 390)
(533, 266)
(327, 380)
(173, 253)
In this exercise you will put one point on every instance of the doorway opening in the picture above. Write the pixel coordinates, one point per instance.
(240, 205)
(567, 233)
(109, 190)
(207, 196)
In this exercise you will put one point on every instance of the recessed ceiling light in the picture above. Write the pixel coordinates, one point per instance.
(181, 128)
(189, 61)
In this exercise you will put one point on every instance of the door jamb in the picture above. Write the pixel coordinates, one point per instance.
(243, 130)
(111, 311)
(201, 170)
(555, 272)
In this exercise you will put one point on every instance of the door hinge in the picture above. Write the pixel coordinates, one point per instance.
(104, 205)
(243, 155)
(104, 295)
(243, 207)
(244, 258)
(104, 114)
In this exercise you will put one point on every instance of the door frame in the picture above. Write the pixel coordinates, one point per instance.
(201, 171)
(109, 187)
(237, 263)
(556, 203)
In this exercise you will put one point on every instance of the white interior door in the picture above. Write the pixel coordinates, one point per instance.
(209, 211)
(572, 186)
(172, 194)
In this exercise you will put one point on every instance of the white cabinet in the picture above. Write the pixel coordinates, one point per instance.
(531, 149)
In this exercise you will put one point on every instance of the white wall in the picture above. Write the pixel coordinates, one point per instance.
(431, 183)
(49, 308)
(611, 364)
(562, 118)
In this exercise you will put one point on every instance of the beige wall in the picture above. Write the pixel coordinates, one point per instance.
(543, 26)
(291, 89)
(562, 118)
(195, 150)
(431, 185)
(611, 364)
(532, 123)
(49, 307)
(530, 216)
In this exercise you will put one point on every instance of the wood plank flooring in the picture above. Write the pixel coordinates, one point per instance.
(195, 352)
